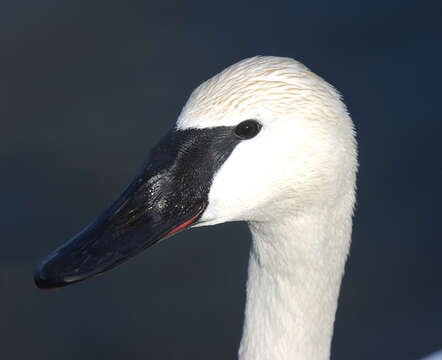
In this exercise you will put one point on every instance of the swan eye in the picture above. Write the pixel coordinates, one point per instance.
(247, 129)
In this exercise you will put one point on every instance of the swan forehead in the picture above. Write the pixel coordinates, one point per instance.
(261, 87)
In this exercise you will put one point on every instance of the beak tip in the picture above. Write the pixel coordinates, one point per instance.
(45, 281)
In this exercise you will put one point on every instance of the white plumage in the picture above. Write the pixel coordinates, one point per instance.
(294, 183)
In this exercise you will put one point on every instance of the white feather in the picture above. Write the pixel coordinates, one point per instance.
(294, 183)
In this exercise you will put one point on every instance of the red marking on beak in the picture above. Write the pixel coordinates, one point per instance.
(187, 223)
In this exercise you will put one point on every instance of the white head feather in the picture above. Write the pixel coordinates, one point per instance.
(294, 183)
(305, 152)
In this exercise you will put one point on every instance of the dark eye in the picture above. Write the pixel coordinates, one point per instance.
(247, 129)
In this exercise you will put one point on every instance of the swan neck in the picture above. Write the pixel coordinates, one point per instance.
(295, 271)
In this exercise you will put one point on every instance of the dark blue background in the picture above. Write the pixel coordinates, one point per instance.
(87, 87)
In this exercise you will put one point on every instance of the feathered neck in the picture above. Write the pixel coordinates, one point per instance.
(295, 271)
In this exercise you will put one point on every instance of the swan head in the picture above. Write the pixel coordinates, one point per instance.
(303, 156)
(262, 140)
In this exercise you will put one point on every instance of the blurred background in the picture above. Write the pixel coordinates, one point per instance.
(86, 89)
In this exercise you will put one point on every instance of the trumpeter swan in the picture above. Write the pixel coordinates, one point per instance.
(268, 142)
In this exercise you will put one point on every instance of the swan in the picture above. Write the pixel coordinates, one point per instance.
(265, 141)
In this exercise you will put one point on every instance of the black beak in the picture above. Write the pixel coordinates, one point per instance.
(168, 195)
